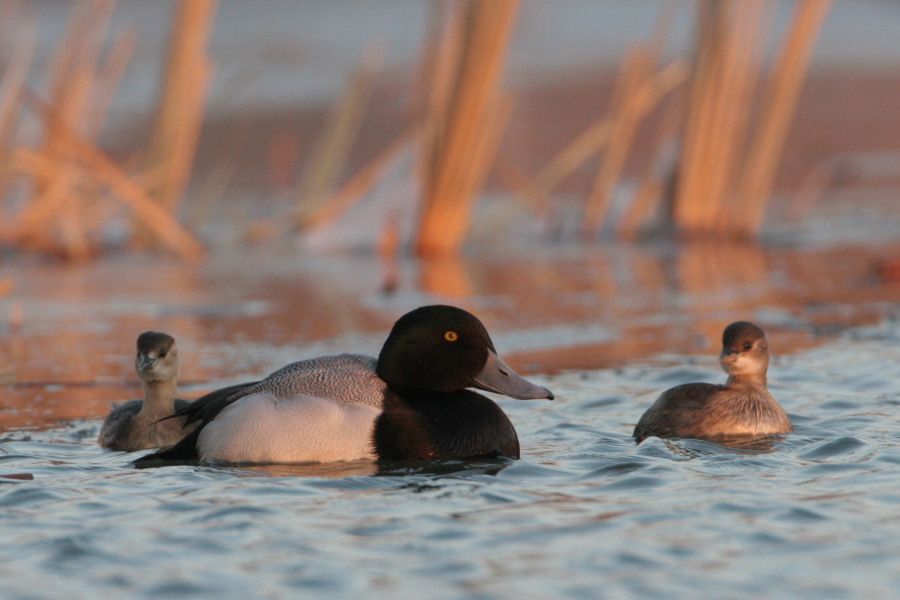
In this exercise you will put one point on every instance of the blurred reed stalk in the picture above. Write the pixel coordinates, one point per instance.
(365, 179)
(718, 115)
(330, 159)
(727, 169)
(320, 200)
(626, 114)
(639, 89)
(182, 102)
(466, 114)
(60, 210)
(12, 82)
(782, 93)
(596, 138)
(105, 172)
(13, 78)
(656, 180)
(75, 189)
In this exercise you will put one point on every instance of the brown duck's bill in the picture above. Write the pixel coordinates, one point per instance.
(498, 377)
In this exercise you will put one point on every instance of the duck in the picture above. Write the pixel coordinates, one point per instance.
(141, 424)
(411, 403)
(742, 408)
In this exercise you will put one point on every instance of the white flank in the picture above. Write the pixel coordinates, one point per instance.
(263, 429)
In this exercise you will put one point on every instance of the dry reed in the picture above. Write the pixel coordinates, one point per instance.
(467, 114)
(579, 150)
(596, 136)
(656, 180)
(629, 106)
(319, 203)
(75, 187)
(157, 220)
(724, 186)
(718, 114)
(811, 190)
(356, 187)
(12, 80)
(72, 75)
(726, 169)
(182, 101)
(463, 113)
(340, 133)
(783, 91)
(623, 127)
(638, 89)
(445, 276)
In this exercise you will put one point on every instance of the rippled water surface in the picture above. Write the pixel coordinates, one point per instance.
(585, 513)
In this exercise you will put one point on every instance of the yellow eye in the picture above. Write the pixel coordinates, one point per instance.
(451, 336)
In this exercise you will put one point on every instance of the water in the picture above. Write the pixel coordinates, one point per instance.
(584, 514)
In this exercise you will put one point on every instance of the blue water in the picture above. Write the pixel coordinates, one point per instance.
(584, 514)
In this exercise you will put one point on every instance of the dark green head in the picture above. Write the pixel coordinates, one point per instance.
(445, 349)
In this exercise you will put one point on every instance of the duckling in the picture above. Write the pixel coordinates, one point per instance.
(137, 424)
(412, 403)
(742, 407)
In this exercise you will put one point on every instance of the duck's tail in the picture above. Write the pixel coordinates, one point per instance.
(182, 453)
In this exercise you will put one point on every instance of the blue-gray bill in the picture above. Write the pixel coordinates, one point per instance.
(496, 376)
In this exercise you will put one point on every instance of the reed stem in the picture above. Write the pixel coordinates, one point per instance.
(467, 115)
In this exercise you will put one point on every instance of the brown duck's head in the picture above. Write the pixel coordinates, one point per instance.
(745, 350)
(157, 357)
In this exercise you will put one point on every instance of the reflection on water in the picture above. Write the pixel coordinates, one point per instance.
(363, 468)
(446, 277)
(737, 444)
(585, 513)
(243, 315)
(326, 470)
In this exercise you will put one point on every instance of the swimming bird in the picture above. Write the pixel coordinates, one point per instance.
(136, 424)
(741, 408)
(410, 403)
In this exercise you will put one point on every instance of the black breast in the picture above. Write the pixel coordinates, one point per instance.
(459, 424)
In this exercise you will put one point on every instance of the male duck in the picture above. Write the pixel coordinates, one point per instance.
(412, 403)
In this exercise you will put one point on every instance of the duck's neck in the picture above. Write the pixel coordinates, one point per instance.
(159, 398)
(751, 380)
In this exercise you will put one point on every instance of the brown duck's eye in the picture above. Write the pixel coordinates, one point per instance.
(748, 345)
(451, 336)
(162, 354)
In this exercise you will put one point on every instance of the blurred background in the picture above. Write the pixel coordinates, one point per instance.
(606, 184)
(423, 125)
(600, 181)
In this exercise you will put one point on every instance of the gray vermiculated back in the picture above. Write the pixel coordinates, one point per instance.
(345, 378)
